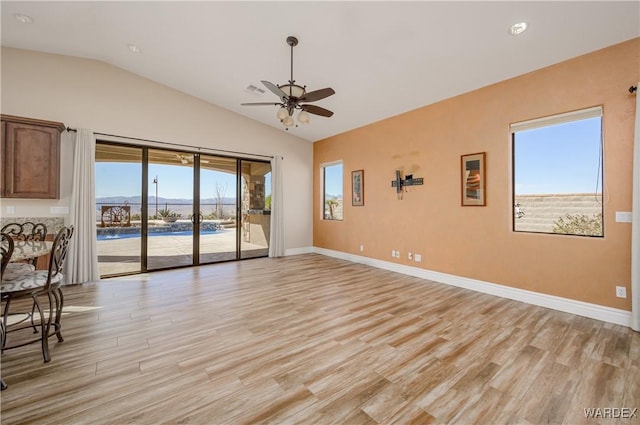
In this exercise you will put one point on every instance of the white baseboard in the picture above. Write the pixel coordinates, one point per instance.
(580, 308)
(296, 251)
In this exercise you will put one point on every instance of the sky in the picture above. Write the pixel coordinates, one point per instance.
(333, 184)
(562, 158)
(123, 179)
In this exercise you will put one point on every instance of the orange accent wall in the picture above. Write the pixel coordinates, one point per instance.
(477, 242)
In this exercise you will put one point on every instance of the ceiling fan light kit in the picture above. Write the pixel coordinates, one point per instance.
(293, 90)
(292, 95)
(282, 113)
(304, 117)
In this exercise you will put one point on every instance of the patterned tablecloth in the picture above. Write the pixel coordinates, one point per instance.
(25, 250)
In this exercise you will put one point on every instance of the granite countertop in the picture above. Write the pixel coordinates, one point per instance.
(54, 224)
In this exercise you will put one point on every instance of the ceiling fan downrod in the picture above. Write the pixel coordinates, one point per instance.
(292, 90)
(292, 41)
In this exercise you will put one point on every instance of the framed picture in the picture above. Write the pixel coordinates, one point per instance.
(473, 180)
(357, 188)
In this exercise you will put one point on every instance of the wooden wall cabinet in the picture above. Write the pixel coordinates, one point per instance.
(30, 158)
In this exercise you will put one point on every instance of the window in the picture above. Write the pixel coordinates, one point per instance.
(332, 191)
(557, 174)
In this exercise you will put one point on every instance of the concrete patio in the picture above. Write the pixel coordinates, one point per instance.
(118, 256)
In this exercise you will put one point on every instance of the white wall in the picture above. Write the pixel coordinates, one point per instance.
(84, 93)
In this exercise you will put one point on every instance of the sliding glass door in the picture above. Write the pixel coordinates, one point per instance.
(118, 174)
(170, 209)
(255, 191)
(160, 208)
(218, 214)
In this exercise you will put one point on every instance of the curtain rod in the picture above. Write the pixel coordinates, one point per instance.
(174, 144)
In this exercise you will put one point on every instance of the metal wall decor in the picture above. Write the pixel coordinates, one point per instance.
(408, 180)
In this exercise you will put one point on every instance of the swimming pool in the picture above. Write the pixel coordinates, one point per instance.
(105, 237)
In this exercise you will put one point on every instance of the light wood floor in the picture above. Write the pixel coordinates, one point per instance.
(314, 340)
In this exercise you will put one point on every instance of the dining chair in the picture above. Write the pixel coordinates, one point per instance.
(12, 271)
(27, 231)
(37, 285)
(6, 248)
(3, 385)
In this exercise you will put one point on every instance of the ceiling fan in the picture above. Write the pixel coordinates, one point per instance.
(293, 95)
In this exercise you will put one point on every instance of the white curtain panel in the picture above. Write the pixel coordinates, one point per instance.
(82, 258)
(276, 239)
(635, 225)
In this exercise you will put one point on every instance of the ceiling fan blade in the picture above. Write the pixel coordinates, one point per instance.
(260, 104)
(316, 110)
(317, 95)
(275, 89)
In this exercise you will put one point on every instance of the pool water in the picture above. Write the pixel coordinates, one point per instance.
(154, 234)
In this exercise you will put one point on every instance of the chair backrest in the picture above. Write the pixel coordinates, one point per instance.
(59, 251)
(6, 248)
(27, 231)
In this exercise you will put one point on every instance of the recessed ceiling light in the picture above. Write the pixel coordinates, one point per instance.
(519, 28)
(25, 19)
(134, 48)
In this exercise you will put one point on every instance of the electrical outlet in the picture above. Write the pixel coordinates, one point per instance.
(410, 256)
(361, 247)
(418, 258)
(397, 254)
(393, 253)
(621, 292)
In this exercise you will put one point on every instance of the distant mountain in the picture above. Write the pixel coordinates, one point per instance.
(136, 200)
(118, 200)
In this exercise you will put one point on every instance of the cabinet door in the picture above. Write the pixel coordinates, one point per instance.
(31, 161)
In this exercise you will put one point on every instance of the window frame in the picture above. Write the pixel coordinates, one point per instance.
(549, 121)
(323, 167)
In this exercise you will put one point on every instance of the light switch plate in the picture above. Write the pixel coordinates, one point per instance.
(11, 209)
(623, 217)
(59, 210)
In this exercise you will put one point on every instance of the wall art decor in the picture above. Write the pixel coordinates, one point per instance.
(357, 188)
(473, 180)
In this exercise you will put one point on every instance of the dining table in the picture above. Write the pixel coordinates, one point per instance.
(26, 250)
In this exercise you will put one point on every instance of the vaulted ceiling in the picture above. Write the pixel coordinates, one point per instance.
(382, 58)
